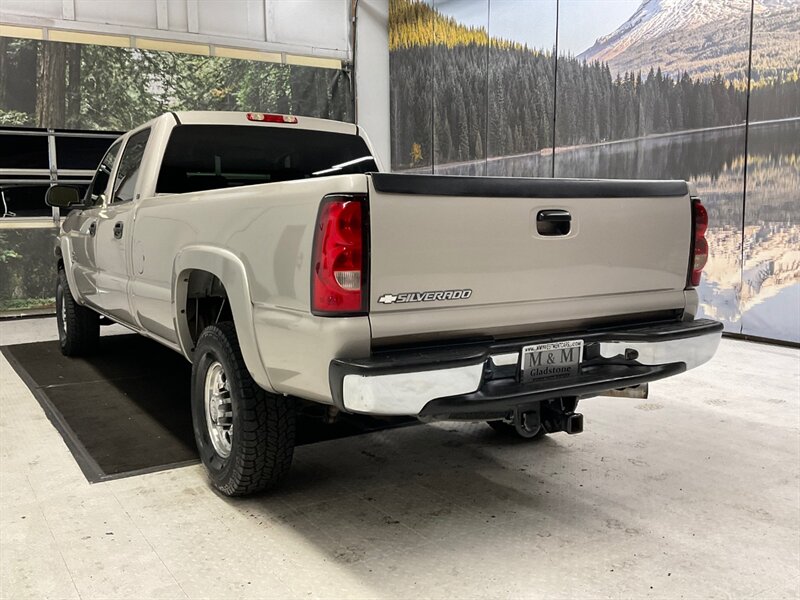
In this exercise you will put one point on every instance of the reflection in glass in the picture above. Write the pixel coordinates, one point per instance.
(770, 296)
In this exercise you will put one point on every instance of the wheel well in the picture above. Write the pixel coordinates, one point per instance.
(206, 302)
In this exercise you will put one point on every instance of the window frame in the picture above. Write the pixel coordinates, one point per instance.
(118, 144)
(111, 198)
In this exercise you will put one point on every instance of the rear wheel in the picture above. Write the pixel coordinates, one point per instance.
(78, 326)
(244, 434)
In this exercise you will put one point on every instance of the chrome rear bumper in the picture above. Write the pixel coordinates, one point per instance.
(477, 381)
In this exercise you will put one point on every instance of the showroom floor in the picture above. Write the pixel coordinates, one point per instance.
(692, 493)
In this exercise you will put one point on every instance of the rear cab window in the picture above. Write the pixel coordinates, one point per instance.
(208, 157)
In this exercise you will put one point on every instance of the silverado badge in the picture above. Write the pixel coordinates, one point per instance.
(405, 297)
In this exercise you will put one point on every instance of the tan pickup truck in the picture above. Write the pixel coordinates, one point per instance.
(271, 252)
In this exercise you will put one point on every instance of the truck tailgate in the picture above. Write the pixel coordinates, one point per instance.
(463, 256)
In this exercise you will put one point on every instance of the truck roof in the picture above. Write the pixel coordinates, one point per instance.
(208, 117)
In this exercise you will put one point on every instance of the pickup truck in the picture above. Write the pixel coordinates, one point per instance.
(271, 252)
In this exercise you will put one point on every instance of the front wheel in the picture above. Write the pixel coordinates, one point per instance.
(244, 434)
(78, 326)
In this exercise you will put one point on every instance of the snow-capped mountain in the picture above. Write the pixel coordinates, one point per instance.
(655, 18)
(699, 36)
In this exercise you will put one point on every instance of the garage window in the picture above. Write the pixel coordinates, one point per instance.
(24, 201)
(24, 151)
(82, 153)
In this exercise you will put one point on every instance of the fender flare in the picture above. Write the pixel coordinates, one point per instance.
(63, 251)
(229, 269)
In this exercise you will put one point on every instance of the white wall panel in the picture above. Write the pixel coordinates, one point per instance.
(315, 23)
(372, 75)
(306, 27)
(240, 19)
(176, 15)
(50, 9)
(141, 13)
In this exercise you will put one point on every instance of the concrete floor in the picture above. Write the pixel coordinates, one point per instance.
(692, 493)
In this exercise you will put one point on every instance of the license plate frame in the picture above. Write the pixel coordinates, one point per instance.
(556, 360)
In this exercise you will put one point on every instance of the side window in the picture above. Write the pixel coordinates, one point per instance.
(128, 172)
(94, 195)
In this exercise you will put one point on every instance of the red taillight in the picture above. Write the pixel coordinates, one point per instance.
(339, 267)
(699, 245)
(271, 118)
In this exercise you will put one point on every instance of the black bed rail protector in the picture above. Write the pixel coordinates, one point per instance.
(524, 187)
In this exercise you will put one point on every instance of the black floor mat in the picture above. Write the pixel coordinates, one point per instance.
(125, 410)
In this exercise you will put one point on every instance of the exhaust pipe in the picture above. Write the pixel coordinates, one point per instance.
(636, 391)
(573, 423)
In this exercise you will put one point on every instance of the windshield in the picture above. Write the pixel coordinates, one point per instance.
(207, 157)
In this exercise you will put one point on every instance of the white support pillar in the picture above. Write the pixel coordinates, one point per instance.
(68, 10)
(193, 16)
(372, 75)
(162, 14)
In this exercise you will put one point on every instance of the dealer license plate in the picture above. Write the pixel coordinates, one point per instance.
(556, 360)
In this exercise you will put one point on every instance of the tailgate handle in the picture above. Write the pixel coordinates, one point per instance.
(553, 222)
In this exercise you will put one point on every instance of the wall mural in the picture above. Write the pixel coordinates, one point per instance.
(624, 89)
(72, 86)
(58, 85)
(770, 293)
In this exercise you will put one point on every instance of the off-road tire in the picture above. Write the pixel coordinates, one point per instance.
(508, 430)
(263, 433)
(78, 326)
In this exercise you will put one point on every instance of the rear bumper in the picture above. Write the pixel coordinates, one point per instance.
(480, 381)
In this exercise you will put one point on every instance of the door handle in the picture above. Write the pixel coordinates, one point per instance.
(92, 228)
(553, 222)
(118, 229)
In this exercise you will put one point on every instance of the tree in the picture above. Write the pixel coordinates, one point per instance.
(51, 86)
(416, 153)
(4, 51)
(73, 110)
(478, 153)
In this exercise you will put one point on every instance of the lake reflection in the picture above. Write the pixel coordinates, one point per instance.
(737, 280)
(770, 293)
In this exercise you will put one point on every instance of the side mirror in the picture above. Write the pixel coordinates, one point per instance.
(62, 196)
